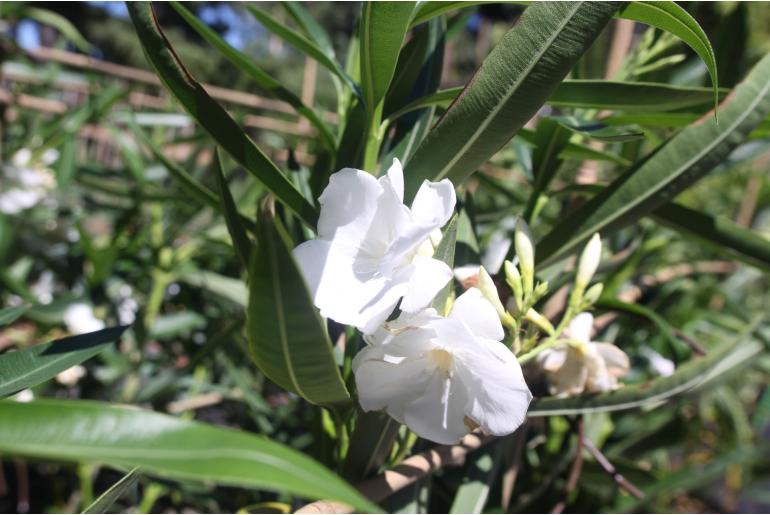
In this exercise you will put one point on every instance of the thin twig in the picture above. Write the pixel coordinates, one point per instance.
(577, 466)
(609, 468)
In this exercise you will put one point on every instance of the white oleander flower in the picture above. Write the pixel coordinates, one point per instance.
(71, 376)
(585, 366)
(79, 318)
(444, 376)
(26, 182)
(372, 250)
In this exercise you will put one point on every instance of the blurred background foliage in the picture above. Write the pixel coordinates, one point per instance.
(121, 235)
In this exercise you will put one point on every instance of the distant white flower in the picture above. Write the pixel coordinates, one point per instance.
(79, 318)
(658, 365)
(26, 182)
(444, 376)
(372, 250)
(584, 367)
(589, 261)
(25, 395)
(71, 376)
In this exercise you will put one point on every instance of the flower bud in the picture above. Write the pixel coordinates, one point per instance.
(487, 287)
(513, 278)
(540, 321)
(589, 261)
(592, 294)
(540, 290)
(525, 250)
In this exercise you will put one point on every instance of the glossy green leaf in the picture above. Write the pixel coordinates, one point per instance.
(33, 365)
(301, 43)
(211, 115)
(429, 10)
(381, 32)
(692, 374)
(233, 218)
(166, 446)
(640, 97)
(10, 315)
(246, 64)
(312, 29)
(513, 82)
(105, 501)
(669, 16)
(687, 157)
(719, 233)
(287, 337)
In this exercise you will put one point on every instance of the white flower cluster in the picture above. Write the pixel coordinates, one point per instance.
(442, 376)
(26, 180)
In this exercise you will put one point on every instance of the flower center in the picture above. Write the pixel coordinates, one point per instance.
(443, 360)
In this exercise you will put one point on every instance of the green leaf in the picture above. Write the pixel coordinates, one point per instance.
(211, 115)
(382, 30)
(687, 157)
(9, 315)
(445, 252)
(304, 45)
(228, 288)
(692, 374)
(287, 337)
(39, 363)
(513, 82)
(479, 477)
(672, 18)
(233, 218)
(113, 493)
(643, 311)
(370, 444)
(719, 233)
(166, 446)
(266, 81)
(309, 26)
(60, 23)
(608, 95)
(551, 138)
(429, 10)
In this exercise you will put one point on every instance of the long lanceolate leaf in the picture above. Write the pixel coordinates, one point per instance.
(722, 234)
(166, 446)
(211, 115)
(32, 366)
(261, 77)
(687, 157)
(514, 81)
(113, 493)
(670, 17)
(693, 374)
(287, 336)
(382, 30)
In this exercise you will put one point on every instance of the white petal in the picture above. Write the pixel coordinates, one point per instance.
(348, 205)
(389, 331)
(571, 377)
(580, 327)
(615, 360)
(553, 359)
(434, 203)
(395, 179)
(428, 277)
(478, 314)
(339, 292)
(498, 397)
(388, 386)
(438, 412)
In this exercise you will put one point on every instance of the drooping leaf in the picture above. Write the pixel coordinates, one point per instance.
(166, 446)
(105, 501)
(687, 157)
(514, 81)
(672, 18)
(32, 366)
(381, 32)
(266, 81)
(287, 337)
(211, 115)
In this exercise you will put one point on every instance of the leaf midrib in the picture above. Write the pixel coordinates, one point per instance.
(482, 127)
